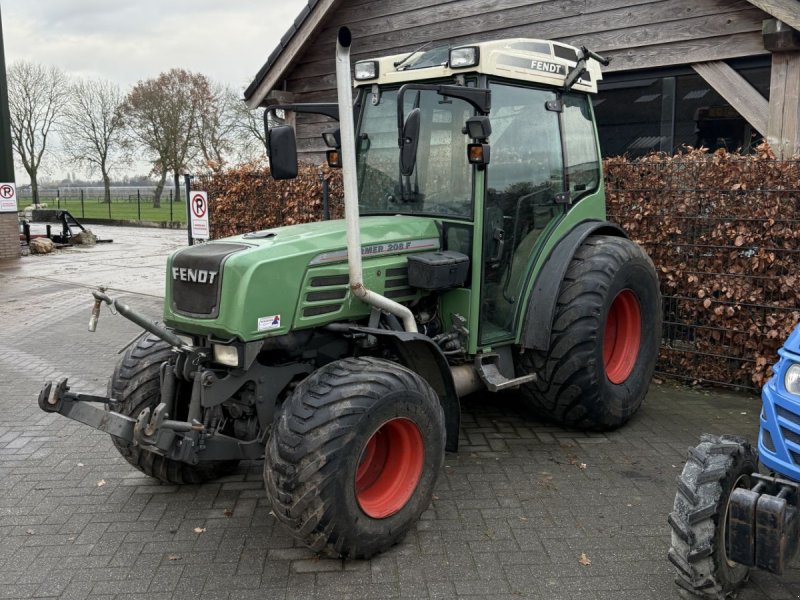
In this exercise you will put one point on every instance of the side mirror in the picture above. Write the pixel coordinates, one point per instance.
(282, 152)
(409, 142)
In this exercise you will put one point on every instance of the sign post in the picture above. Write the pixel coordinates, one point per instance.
(187, 179)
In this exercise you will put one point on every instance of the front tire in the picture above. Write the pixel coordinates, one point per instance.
(604, 340)
(353, 459)
(716, 467)
(136, 385)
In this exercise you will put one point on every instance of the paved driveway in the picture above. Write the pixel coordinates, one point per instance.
(512, 515)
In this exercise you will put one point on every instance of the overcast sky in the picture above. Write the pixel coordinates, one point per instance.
(127, 41)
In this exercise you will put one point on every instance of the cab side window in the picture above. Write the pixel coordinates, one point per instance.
(582, 167)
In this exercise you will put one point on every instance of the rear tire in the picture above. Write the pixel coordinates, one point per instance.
(715, 468)
(136, 385)
(354, 457)
(604, 340)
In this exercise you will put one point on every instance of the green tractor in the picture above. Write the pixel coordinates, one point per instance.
(474, 257)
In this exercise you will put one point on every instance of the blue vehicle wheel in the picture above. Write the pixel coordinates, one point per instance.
(717, 466)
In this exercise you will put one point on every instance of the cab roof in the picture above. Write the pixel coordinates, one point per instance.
(524, 59)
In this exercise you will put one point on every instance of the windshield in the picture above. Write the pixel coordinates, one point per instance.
(441, 183)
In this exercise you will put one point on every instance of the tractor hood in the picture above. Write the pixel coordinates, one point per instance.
(269, 282)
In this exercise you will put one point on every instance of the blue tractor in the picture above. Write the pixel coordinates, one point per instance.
(728, 517)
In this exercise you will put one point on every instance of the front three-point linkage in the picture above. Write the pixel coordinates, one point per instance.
(157, 431)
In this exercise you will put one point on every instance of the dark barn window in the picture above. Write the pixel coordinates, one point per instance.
(662, 111)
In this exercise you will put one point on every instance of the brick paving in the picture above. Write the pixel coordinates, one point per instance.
(512, 514)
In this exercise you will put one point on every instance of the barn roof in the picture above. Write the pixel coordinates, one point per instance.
(313, 15)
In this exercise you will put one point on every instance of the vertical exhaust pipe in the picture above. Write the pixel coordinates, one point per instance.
(347, 130)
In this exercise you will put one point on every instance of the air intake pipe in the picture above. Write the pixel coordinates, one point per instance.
(344, 89)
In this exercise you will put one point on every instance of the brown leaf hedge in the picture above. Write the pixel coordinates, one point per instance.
(723, 230)
(246, 198)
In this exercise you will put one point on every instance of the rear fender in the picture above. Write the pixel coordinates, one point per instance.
(544, 295)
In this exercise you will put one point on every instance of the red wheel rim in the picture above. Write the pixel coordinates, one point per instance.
(390, 468)
(622, 336)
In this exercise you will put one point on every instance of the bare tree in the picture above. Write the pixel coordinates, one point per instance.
(250, 134)
(37, 96)
(92, 132)
(164, 114)
(218, 128)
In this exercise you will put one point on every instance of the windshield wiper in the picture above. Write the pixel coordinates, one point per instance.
(402, 61)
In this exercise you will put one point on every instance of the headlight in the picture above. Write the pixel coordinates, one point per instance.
(791, 381)
(463, 57)
(367, 69)
(226, 355)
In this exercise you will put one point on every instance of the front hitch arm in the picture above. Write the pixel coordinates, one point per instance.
(56, 397)
(132, 315)
(184, 441)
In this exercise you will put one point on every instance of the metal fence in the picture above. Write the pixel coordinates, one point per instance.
(127, 203)
(725, 238)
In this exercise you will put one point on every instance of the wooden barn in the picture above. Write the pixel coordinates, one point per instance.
(721, 73)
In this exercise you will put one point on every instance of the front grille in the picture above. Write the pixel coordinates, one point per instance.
(766, 437)
(325, 288)
(787, 433)
(196, 278)
(396, 285)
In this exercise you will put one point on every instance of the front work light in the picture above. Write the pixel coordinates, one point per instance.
(791, 381)
(464, 57)
(332, 138)
(367, 69)
(226, 355)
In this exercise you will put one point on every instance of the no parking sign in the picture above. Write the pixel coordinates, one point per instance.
(198, 208)
(8, 197)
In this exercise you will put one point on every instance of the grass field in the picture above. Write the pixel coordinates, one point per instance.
(121, 209)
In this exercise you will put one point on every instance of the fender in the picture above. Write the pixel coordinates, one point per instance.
(544, 295)
(421, 354)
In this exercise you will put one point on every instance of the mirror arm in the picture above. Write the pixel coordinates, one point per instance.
(329, 109)
(478, 98)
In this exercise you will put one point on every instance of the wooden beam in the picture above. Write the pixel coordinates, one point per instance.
(742, 96)
(784, 105)
(787, 11)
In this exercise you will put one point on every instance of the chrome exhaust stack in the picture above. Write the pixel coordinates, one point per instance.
(347, 130)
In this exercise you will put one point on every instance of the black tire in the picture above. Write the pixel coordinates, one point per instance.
(136, 385)
(577, 385)
(316, 450)
(715, 468)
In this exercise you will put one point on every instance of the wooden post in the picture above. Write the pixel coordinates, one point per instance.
(783, 133)
(784, 104)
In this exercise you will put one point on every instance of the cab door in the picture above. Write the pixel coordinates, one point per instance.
(524, 195)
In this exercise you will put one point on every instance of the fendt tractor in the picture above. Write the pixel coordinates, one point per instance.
(728, 517)
(474, 256)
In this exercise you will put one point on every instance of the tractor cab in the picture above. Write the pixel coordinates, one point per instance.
(495, 141)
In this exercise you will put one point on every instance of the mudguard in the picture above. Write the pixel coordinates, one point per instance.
(544, 295)
(421, 354)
